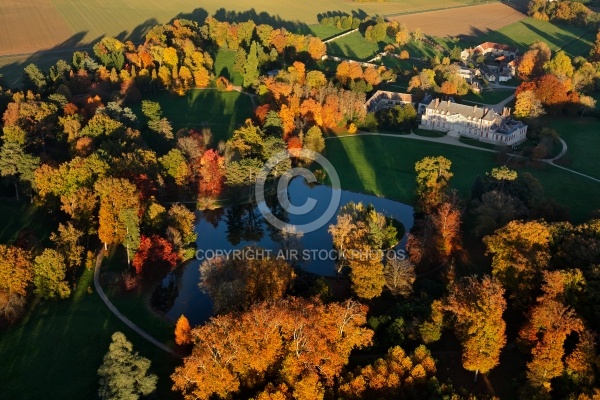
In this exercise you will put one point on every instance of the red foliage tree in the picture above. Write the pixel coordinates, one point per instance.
(155, 257)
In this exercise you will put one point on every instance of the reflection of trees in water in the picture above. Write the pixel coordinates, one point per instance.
(164, 296)
(280, 213)
(246, 223)
(213, 217)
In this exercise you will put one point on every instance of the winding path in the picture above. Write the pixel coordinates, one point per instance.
(123, 318)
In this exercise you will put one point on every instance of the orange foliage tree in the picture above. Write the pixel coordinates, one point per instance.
(304, 343)
(183, 331)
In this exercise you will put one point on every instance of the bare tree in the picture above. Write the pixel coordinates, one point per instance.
(399, 276)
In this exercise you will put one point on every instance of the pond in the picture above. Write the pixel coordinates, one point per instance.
(240, 226)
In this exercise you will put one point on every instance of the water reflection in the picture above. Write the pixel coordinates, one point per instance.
(240, 226)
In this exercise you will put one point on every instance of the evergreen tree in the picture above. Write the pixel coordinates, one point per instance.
(251, 67)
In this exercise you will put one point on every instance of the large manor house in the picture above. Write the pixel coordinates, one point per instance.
(458, 120)
(474, 122)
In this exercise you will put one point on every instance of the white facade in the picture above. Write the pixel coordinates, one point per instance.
(482, 124)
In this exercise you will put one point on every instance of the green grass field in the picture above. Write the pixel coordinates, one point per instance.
(324, 32)
(384, 166)
(16, 216)
(582, 136)
(66, 341)
(574, 40)
(224, 61)
(223, 112)
(489, 96)
(355, 46)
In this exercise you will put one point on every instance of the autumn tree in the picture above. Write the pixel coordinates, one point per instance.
(155, 257)
(397, 375)
(445, 221)
(212, 174)
(300, 342)
(123, 373)
(16, 274)
(560, 66)
(549, 324)
(183, 331)
(520, 252)
(477, 307)
(528, 105)
(116, 196)
(359, 235)
(49, 273)
(433, 175)
(67, 244)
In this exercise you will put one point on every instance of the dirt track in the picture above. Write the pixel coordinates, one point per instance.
(465, 21)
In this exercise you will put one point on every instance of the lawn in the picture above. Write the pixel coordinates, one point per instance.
(223, 112)
(65, 342)
(494, 96)
(224, 61)
(574, 40)
(583, 140)
(384, 166)
(355, 46)
(16, 216)
(325, 32)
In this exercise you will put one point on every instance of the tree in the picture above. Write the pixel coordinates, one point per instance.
(49, 271)
(212, 174)
(521, 251)
(403, 36)
(549, 324)
(477, 307)
(433, 175)
(16, 274)
(595, 51)
(183, 331)
(366, 275)
(155, 257)
(316, 48)
(399, 276)
(16, 164)
(116, 196)
(251, 67)
(303, 343)
(110, 51)
(313, 140)
(446, 222)
(34, 78)
(66, 241)
(560, 66)
(123, 373)
(396, 376)
(528, 105)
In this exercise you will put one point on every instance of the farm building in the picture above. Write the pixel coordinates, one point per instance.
(383, 99)
(474, 122)
(496, 49)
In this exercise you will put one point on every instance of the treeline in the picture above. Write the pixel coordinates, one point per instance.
(556, 83)
(569, 12)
